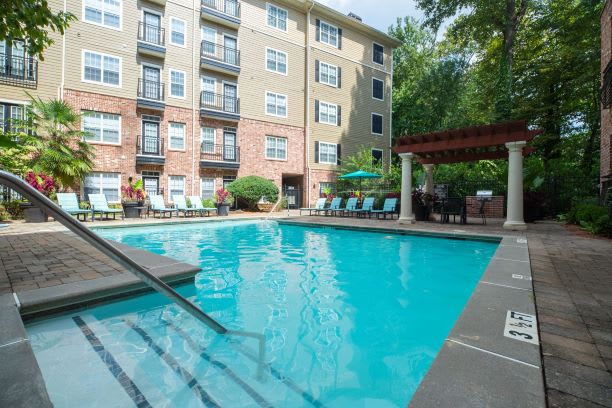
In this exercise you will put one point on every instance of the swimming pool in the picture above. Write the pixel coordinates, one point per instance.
(351, 319)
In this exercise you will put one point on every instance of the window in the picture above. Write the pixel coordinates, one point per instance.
(177, 32)
(276, 104)
(326, 188)
(208, 140)
(177, 84)
(11, 117)
(328, 113)
(102, 127)
(208, 187)
(277, 17)
(176, 186)
(103, 12)
(176, 134)
(378, 53)
(377, 124)
(377, 157)
(209, 40)
(378, 89)
(276, 61)
(329, 34)
(328, 153)
(100, 68)
(328, 74)
(103, 183)
(276, 148)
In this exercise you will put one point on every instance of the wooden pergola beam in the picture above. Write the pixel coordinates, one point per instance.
(470, 157)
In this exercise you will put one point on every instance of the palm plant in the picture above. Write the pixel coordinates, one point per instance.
(60, 150)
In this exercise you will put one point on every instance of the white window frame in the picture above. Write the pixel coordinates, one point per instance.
(335, 149)
(383, 88)
(214, 180)
(383, 47)
(184, 137)
(268, 6)
(276, 61)
(170, 188)
(170, 71)
(328, 104)
(382, 154)
(101, 83)
(101, 142)
(329, 66)
(101, 190)
(120, 28)
(321, 22)
(276, 105)
(214, 139)
(382, 121)
(170, 20)
(276, 138)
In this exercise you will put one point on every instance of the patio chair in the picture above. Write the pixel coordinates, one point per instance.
(366, 208)
(70, 203)
(180, 203)
(196, 205)
(158, 206)
(389, 207)
(99, 205)
(320, 204)
(454, 207)
(351, 204)
(334, 206)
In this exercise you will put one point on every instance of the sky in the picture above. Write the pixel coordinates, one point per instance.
(379, 14)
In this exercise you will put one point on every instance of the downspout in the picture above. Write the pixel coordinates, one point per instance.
(195, 115)
(62, 81)
(307, 130)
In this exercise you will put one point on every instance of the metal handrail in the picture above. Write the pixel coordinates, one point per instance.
(39, 200)
(209, 49)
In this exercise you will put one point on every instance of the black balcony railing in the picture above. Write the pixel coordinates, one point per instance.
(151, 34)
(150, 90)
(229, 7)
(220, 53)
(150, 145)
(18, 70)
(228, 104)
(218, 152)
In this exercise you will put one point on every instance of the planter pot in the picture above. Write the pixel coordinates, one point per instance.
(132, 209)
(265, 207)
(33, 214)
(223, 210)
(421, 212)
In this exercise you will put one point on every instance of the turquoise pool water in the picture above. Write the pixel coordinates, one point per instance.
(351, 319)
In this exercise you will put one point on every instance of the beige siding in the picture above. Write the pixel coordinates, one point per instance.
(254, 16)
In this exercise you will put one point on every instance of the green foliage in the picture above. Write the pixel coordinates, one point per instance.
(13, 209)
(592, 217)
(362, 160)
(208, 203)
(252, 188)
(34, 20)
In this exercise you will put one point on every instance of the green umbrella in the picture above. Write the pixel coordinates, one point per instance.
(360, 174)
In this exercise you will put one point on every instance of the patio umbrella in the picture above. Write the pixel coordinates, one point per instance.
(360, 174)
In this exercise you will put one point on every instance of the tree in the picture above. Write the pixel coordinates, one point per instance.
(31, 20)
(251, 189)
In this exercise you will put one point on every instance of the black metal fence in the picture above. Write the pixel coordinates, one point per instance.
(560, 192)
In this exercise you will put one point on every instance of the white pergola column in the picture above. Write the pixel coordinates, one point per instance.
(406, 214)
(515, 220)
(429, 181)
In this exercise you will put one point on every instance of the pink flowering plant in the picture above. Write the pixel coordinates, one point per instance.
(41, 182)
(133, 192)
(222, 196)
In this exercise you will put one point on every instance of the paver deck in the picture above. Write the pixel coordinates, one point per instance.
(572, 283)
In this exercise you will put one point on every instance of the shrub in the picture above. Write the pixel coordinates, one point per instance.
(252, 188)
(13, 209)
(208, 203)
(593, 218)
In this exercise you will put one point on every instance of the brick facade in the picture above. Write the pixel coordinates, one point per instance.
(316, 178)
(493, 208)
(606, 115)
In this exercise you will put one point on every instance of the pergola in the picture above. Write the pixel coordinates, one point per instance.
(497, 141)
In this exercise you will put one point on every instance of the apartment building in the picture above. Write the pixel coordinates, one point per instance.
(191, 95)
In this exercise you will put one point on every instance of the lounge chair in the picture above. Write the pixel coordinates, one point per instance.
(366, 208)
(70, 204)
(196, 205)
(351, 204)
(99, 205)
(334, 206)
(320, 204)
(158, 206)
(389, 207)
(180, 203)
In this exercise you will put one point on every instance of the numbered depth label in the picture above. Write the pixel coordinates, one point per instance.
(521, 326)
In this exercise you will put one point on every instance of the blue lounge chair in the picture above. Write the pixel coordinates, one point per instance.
(333, 206)
(70, 204)
(366, 208)
(196, 205)
(99, 205)
(180, 203)
(158, 206)
(389, 207)
(320, 204)
(351, 204)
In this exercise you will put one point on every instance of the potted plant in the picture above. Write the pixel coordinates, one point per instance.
(420, 204)
(223, 201)
(132, 198)
(45, 185)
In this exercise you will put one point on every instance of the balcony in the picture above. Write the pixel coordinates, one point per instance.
(216, 156)
(150, 95)
(226, 12)
(150, 150)
(218, 106)
(219, 58)
(19, 71)
(151, 40)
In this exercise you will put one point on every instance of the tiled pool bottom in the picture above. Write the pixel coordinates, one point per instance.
(351, 318)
